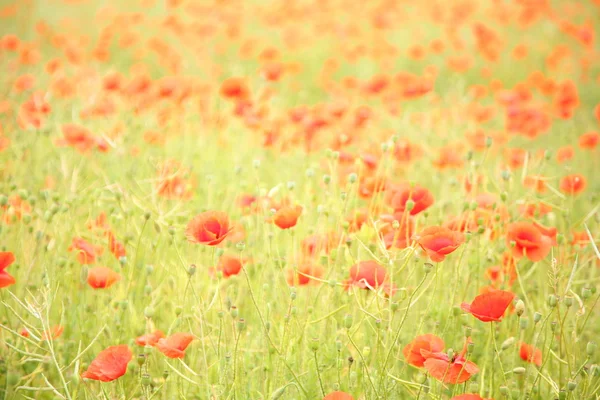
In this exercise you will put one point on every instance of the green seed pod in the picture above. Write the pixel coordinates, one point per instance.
(191, 270)
(537, 317)
(366, 351)
(571, 386)
(553, 326)
(146, 380)
(427, 267)
(326, 179)
(409, 205)
(149, 312)
(352, 177)
(313, 344)
(468, 331)
(234, 311)
(552, 301)
(562, 395)
(241, 324)
(141, 359)
(586, 293)
(178, 310)
(590, 349)
(450, 353)
(507, 343)
(520, 307)
(504, 390)
(456, 311)
(519, 371)
(568, 301)
(503, 196)
(470, 347)
(348, 321)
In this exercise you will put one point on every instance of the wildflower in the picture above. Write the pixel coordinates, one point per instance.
(287, 217)
(527, 240)
(530, 354)
(413, 351)
(109, 364)
(6, 258)
(209, 228)
(438, 242)
(174, 346)
(149, 339)
(489, 306)
(102, 277)
(573, 184)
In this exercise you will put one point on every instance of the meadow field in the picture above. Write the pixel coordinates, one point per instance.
(299, 199)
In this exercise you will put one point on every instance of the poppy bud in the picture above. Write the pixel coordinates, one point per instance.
(146, 380)
(326, 179)
(428, 267)
(294, 311)
(591, 348)
(468, 331)
(191, 270)
(520, 307)
(571, 385)
(395, 307)
(352, 177)
(523, 323)
(568, 301)
(241, 324)
(178, 310)
(456, 311)
(314, 344)
(552, 300)
(278, 393)
(506, 175)
(165, 374)
(560, 238)
(537, 317)
(519, 371)
(141, 359)
(504, 390)
(503, 196)
(149, 312)
(240, 246)
(586, 293)
(507, 343)
(470, 347)
(553, 326)
(147, 215)
(409, 205)
(347, 321)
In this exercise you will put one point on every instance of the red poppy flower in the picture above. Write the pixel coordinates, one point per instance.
(439, 241)
(6, 258)
(429, 343)
(421, 199)
(116, 248)
(230, 265)
(456, 370)
(401, 237)
(468, 397)
(86, 252)
(287, 217)
(589, 140)
(174, 346)
(528, 241)
(53, 332)
(306, 271)
(530, 354)
(210, 228)
(109, 364)
(235, 89)
(489, 306)
(367, 274)
(102, 277)
(338, 396)
(149, 339)
(573, 184)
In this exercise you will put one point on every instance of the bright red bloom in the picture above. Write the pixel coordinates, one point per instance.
(530, 354)
(304, 274)
(489, 306)
(86, 252)
(429, 343)
(174, 346)
(209, 228)
(528, 241)
(287, 217)
(102, 277)
(6, 258)
(53, 332)
(116, 248)
(573, 184)
(439, 241)
(456, 370)
(109, 364)
(338, 396)
(589, 140)
(367, 274)
(421, 199)
(230, 265)
(149, 339)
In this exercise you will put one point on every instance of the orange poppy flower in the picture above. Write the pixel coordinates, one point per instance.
(530, 354)
(109, 364)
(230, 265)
(420, 197)
(429, 343)
(468, 396)
(564, 154)
(456, 370)
(287, 217)
(573, 184)
(528, 241)
(174, 346)
(304, 274)
(338, 396)
(6, 258)
(235, 89)
(53, 333)
(116, 248)
(209, 228)
(489, 306)
(102, 277)
(439, 241)
(536, 182)
(149, 339)
(589, 140)
(367, 274)
(86, 252)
